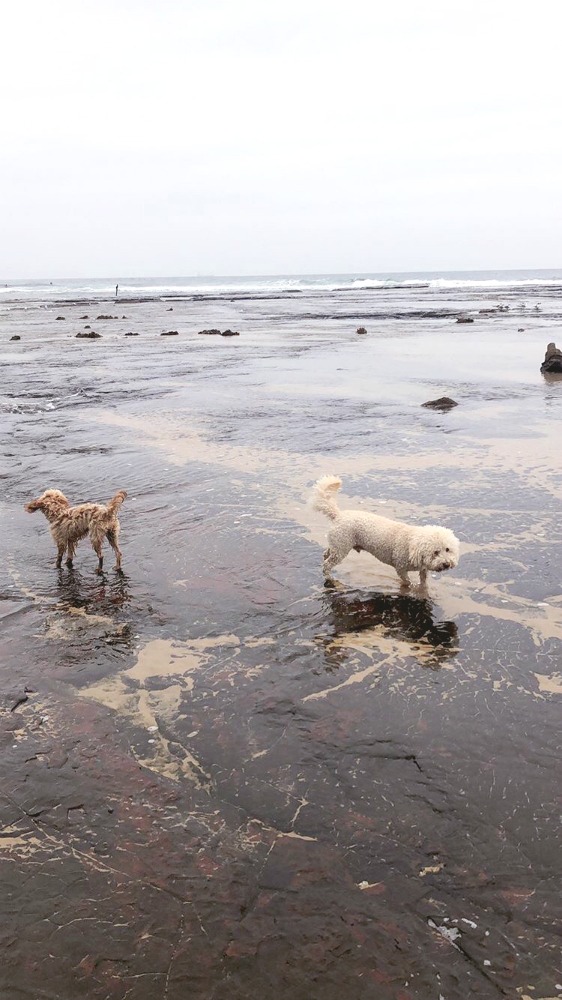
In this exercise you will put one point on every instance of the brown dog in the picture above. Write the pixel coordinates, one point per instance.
(70, 524)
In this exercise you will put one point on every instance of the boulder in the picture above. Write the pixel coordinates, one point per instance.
(443, 403)
(552, 360)
(219, 333)
(15, 337)
(84, 317)
(91, 335)
(131, 334)
(361, 330)
(465, 319)
(61, 317)
(169, 333)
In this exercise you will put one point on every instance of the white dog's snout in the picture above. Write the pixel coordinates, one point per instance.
(447, 565)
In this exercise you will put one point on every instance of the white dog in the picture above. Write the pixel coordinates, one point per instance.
(428, 548)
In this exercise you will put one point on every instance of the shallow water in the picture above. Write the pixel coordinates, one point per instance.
(226, 779)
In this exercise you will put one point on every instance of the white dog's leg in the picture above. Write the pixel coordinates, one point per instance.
(333, 556)
(423, 578)
(330, 560)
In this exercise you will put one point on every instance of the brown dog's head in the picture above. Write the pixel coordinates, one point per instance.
(50, 502)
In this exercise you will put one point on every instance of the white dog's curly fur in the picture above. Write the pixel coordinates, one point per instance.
(428, 548)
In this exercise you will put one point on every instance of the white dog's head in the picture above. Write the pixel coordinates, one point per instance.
(434, 549)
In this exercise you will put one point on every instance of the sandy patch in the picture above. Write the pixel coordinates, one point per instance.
(552, 683)
(137, 694)
(536, 458)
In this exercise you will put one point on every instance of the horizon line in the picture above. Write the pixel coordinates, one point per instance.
(274, 274)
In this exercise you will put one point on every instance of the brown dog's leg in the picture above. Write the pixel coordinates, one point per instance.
(60, 554)
(112, 539)
(71, 554)
(96, 538)
(99, 553)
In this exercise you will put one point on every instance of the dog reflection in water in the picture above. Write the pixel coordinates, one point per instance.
(368, 619)
(96, 595)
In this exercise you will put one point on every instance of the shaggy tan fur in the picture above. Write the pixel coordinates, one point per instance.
(70, 524)
(425, 548)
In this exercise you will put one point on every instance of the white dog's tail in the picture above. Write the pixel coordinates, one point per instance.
(324, 496)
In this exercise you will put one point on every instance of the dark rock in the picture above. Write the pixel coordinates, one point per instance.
(91, 335)
(87, 327)
(465, 319)
(14, 696)
(169, 333)
(170, 310)
(84, 317)
(219, 333)
(520, 329)
(443, 403)
(552, 360)
(15, 337)
(124, 317)
(61, 317)
(20, 699)
(131, 334)
(361, 329)
(102, 316)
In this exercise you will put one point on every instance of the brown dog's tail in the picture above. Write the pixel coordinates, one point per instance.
(324, 496)
(116, 501)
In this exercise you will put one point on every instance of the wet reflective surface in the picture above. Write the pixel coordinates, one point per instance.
(219, 777)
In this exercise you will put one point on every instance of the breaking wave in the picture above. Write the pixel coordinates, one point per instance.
(16, 294)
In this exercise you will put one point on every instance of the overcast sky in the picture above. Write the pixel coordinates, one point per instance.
(184, 137)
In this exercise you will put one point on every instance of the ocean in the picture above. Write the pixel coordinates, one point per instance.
(547, 282)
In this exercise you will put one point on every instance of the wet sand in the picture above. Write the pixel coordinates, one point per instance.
(219, 778)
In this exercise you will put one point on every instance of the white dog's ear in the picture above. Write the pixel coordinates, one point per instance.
(418, 554)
